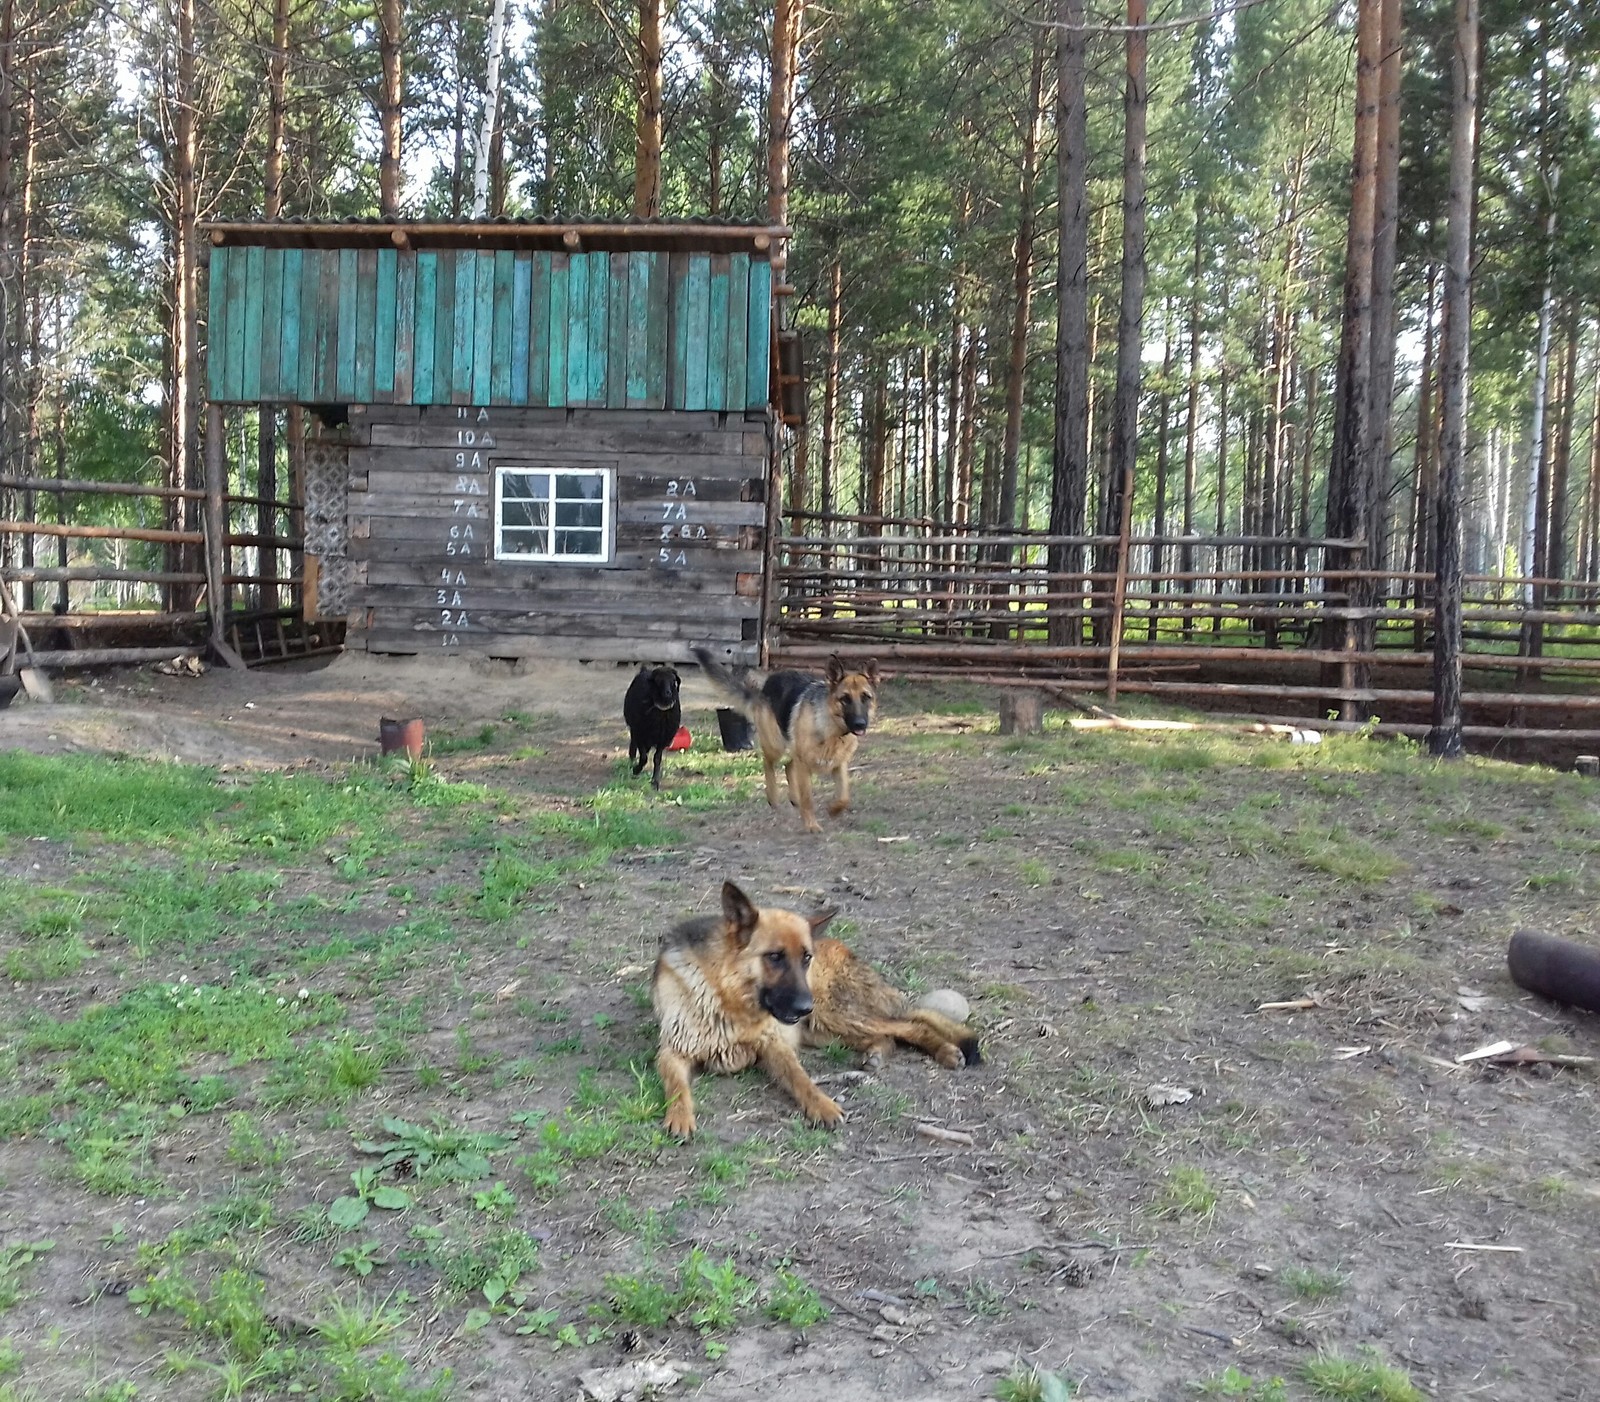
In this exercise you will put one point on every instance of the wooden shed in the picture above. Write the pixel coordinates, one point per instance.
(529, 439)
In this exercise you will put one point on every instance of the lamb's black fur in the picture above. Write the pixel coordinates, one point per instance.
(653, 714)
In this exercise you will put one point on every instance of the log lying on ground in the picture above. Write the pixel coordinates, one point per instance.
(1556, 969)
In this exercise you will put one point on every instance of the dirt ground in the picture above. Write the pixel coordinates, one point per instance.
(1163, 1182)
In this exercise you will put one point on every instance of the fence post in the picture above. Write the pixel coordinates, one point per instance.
(1120, 591)
(216, 536)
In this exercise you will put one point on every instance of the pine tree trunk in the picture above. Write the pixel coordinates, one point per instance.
(1349, 480)
(272, 208)
(24, 398)
(1555, 531)
(1445, 738)
(830, 391)
(1589, 563)
(647, 143)
(788, 20)
(1123, 461)
(390, 176)
(185, 470)
(1163, 431)
(1069, 476)
(1191, 428)
(1022, 299)
(1377, 453)
(8, 256)
(1420, 556)
(962, 501)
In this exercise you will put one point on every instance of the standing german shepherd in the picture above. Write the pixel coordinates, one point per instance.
(753, 986)
(809, 723)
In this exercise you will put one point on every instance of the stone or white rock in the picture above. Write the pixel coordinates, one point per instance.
(947, 1003)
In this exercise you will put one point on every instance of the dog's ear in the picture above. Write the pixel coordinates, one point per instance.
(871, 670)
(821, 919)
(835, 669)
(739, 911)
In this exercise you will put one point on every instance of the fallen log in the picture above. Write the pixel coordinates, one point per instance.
(1557, 969)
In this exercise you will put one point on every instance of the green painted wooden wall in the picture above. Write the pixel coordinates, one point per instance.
(629, 330)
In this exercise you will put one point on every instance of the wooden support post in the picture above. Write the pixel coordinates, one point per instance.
(1120, 588)
(1021, 711)
(774, 529)
(216, 530)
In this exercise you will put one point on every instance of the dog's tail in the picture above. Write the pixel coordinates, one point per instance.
(738, 686)
(957, 1032)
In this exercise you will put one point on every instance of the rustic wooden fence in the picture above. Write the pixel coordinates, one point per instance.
(136, 591)
(1287, 628)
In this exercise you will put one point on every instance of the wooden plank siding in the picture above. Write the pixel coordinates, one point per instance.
(642, 330)
(687, 519)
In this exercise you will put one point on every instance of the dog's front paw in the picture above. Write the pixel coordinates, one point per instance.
(838, 806)
(814, 826)
(680, 1120)
(949, 1054)
(825, 1112)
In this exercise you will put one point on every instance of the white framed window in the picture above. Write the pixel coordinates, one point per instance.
(553, 513)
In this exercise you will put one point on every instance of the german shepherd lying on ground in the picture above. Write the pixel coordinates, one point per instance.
(754, 986)
(809, 723)
(653, 715)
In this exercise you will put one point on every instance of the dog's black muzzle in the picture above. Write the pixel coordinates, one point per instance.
(787, 1008)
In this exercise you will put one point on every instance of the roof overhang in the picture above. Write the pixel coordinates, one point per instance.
(625, 237)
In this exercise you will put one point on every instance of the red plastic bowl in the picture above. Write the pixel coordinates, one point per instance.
(682, 740)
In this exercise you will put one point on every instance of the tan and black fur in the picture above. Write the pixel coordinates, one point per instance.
(752, 986)
(809, 724)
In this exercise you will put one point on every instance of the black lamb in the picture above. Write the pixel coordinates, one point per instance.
(653, 714)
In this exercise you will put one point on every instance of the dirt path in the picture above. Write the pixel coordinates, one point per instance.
(1164, 1183)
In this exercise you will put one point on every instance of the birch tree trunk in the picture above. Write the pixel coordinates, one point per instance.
(491, 112)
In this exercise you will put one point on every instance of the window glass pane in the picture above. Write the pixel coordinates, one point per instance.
(526, 513)
(574, 486)
(580, 513)
(519, 542)
(577, 542)
(533, 486)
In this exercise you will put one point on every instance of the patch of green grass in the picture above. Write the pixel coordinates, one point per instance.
(1241, 1387)
(1463, 826)
(117, 800)
(1309, 1283)
(1034, 872)
(14, 1262)
(1369, 1379)
(1034, 1385)
(710, 1295)
(489, 1266)
(449, 744)
(1562, 880)
(139, 1047)
(795, 1302)
(1187, 1194)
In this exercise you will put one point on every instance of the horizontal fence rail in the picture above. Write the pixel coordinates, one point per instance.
(1299, 625)
(93, 592)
